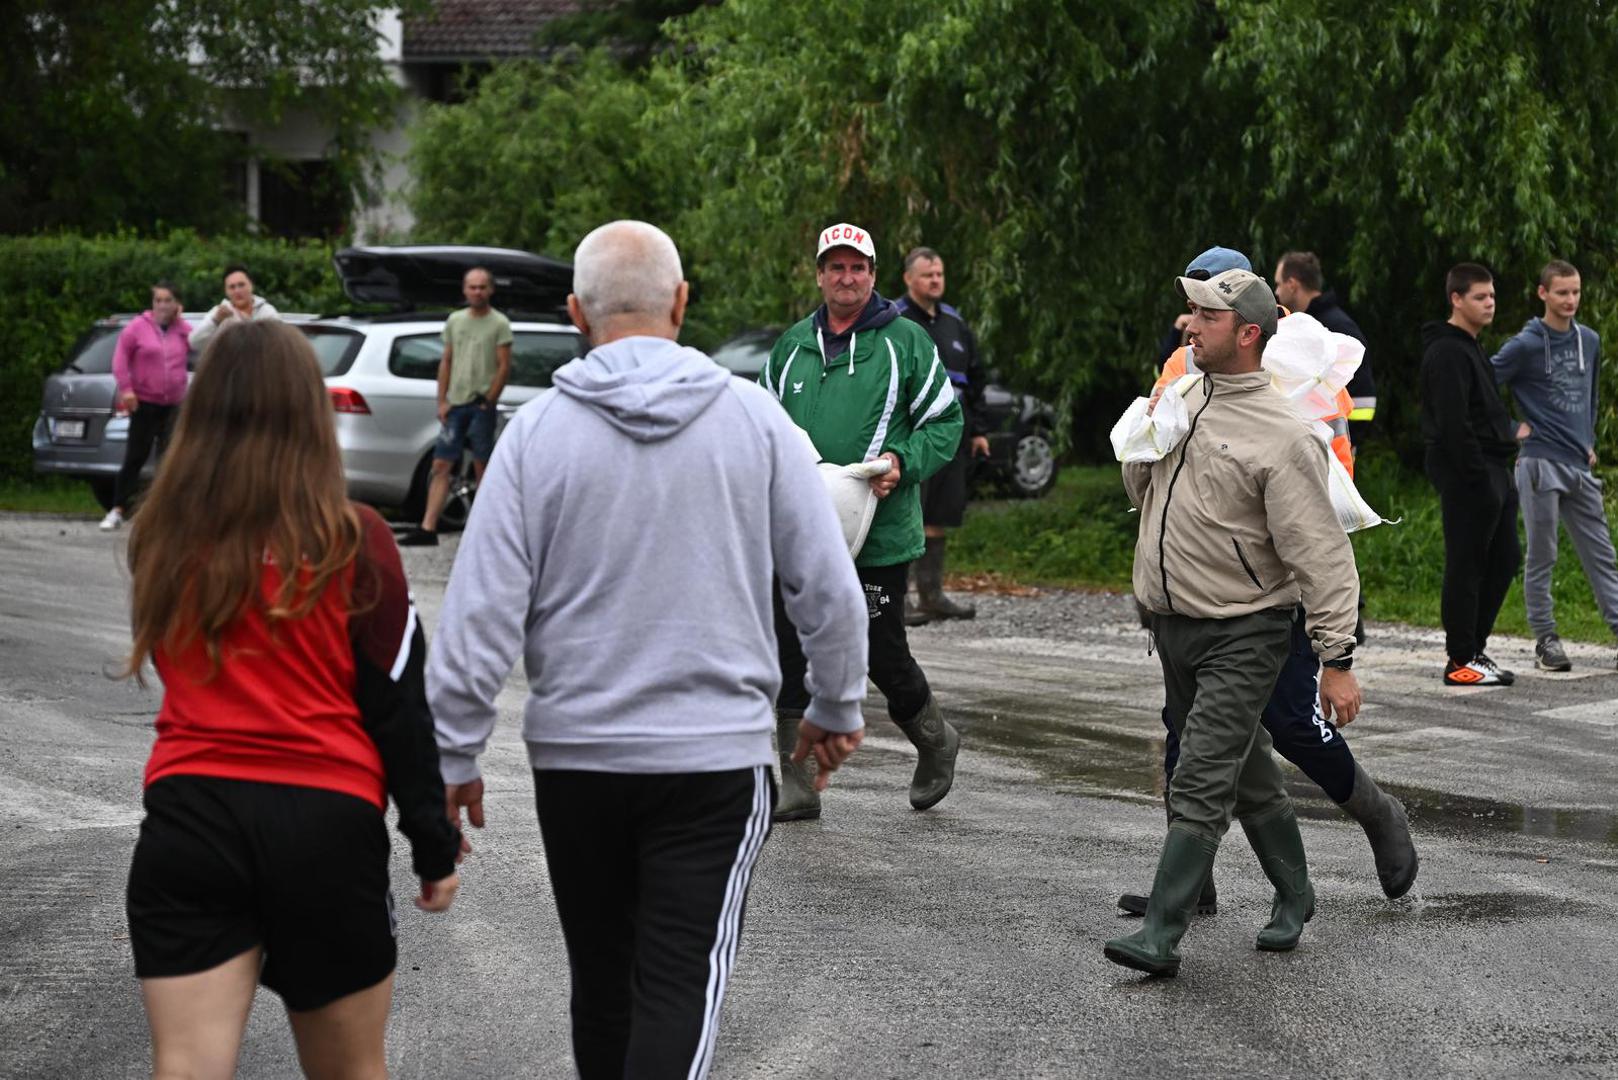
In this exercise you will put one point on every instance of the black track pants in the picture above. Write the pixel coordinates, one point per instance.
(1481, 554)
(650, 873)
(893, 668)
(148, 424)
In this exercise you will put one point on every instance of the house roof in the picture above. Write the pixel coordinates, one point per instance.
(482, 29)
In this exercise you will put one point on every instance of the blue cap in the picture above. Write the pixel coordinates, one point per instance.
(1216, 260)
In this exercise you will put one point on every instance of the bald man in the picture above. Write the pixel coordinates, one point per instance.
(624, 542)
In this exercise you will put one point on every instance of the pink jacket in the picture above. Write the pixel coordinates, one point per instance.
(152, 362)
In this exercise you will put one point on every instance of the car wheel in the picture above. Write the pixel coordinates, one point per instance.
(415, 503)
(1033, 464)
(104, 491)
(458, 507)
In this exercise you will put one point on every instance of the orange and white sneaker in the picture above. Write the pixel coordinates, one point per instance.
(1506, 676)
(1471, 673)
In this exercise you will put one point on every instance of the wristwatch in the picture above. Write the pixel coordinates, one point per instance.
(1342, 663)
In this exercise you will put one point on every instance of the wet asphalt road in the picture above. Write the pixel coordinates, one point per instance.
(964, 942)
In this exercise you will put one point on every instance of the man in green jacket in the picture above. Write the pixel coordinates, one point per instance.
(865, 384)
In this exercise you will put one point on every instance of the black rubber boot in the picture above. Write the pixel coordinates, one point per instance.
(930, 598)
(1207, 900)
(1388, 829)
(937, 743)
(1279, 847)
(797, 799)
(1187, 858)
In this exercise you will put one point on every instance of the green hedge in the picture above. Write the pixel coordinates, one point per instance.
(53, 287)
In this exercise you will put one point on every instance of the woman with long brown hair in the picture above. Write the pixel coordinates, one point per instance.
(277, 614)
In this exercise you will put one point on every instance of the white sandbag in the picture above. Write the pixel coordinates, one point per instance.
(1309, 364)
(850, 490)
(1139, 436)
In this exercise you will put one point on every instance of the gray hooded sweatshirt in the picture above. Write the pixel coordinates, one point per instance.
(624, 539)
(1554, 376)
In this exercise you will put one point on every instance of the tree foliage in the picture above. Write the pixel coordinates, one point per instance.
(1069, 158)
(111, 111)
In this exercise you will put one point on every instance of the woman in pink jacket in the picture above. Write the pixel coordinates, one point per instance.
(149, 365)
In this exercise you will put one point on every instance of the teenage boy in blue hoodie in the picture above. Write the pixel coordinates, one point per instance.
(624, 541)
(1553, 368)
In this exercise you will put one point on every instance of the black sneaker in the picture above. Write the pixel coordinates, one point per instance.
(1549, 654)
(1506, 677)
(419, 537)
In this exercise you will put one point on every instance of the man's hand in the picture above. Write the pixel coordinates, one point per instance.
(1339, 696)
(222, 312)
(443, 411)
(1157, 395)
(1592, 459)
(980, 446)
(831, 749)
(883, 485)
(469, 795)
(127, 401)
(438, 895)
(1523, 431)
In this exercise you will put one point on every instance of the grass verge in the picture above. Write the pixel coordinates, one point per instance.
(1082, 535)
(48, 495)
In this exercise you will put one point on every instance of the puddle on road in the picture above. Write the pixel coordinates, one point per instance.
(1079, 747)
(1490, 907)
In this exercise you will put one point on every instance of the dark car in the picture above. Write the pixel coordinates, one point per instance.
(1022, 454)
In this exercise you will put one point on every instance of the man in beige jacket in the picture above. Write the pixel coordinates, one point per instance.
(1236, 529)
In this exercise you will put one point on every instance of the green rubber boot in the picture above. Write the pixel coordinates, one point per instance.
(1279, 847)
(1187, 858)
(937, 743)
(797, 799)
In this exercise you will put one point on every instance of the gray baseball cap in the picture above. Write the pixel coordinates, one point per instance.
(1241, 291)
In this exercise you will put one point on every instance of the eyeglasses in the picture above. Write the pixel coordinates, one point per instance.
(1199, 274)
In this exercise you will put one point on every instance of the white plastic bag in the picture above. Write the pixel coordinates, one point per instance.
(1309, 364)
(1353, 512)
(1139, 436)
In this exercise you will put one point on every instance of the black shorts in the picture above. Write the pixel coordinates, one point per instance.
(943, 494)
(222, 866)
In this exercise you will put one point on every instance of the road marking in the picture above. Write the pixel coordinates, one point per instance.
(1599, 713)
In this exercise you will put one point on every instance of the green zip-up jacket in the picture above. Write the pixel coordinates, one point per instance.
(888, 392)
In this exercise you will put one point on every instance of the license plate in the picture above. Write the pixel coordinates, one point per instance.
(70, 429)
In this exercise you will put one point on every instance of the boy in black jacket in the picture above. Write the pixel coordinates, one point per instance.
(1471, 445)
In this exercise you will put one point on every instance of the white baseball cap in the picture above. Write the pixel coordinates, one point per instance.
(846, 235)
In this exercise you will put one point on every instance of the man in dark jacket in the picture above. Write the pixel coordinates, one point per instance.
(943, 495)
(1471, 445)
(1300, 286)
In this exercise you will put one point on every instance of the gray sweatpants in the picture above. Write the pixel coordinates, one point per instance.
(1552, 492)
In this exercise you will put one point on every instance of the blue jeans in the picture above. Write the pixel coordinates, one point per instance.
(469, 425)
